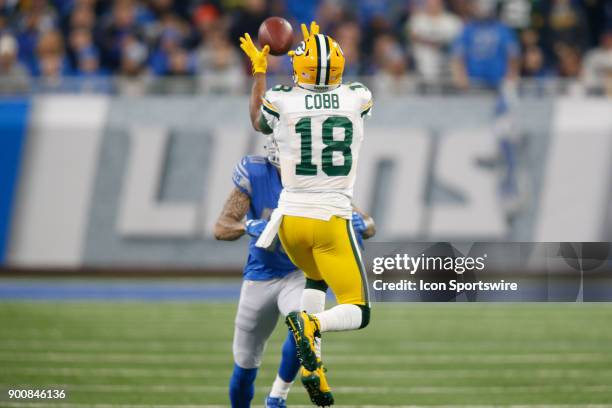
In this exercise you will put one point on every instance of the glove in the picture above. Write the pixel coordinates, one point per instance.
(255, 227)
(359, 226)
(259, 59)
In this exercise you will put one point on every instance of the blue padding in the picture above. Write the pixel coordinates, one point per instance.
(13, 124)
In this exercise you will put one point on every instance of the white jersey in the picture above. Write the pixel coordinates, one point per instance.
(319, 136)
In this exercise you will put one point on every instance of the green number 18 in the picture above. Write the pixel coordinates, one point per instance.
(306, 167)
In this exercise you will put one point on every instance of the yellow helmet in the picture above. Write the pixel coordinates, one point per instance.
(318, 60)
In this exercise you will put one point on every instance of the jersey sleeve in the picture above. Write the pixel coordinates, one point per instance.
(241, 177)
(365, 98)
(270, 112)
(366, 109)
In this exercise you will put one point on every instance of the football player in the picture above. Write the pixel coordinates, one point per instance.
(272, 284)
(318, 125)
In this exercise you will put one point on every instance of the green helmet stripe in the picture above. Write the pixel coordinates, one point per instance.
(318, 60)
(327, 66)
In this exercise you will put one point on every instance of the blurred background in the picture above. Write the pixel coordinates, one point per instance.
(122, 121)
(125, 46)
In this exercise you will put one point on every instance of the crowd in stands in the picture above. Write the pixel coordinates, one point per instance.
(126, 46)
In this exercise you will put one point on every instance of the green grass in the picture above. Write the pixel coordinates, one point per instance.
(417, 354)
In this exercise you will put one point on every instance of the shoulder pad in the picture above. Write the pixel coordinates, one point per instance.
(354, 86)
(254, 165)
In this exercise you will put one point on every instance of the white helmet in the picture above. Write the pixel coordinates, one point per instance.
(272, 150)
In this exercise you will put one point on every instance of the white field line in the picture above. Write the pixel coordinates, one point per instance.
(78, 405)
(197, 328)
(423, 390)
(95, 357)
(336, 372)
(205, 345)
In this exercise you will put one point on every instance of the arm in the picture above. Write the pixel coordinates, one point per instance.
(257, 92)
(229, 226)
(370, 226)
(513, 69)
(458, 70)
(460, 78)
(513, 53)
(259, 62)
(514, 57)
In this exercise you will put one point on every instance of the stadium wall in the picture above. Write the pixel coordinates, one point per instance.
(110, 181)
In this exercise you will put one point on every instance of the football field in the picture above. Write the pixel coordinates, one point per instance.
(166, 354)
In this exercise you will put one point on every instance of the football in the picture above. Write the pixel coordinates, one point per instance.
(277, 33)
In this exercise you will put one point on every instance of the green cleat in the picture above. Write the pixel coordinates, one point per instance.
(305, 328)
(317, 387)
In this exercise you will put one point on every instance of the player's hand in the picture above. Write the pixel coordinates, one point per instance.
(359, 226)
(259, 59)
(255, 227)
(314, 30)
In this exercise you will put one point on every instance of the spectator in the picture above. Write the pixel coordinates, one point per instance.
(13, 76)
(533, 64)
(181, 67)
(89, 77)
(348, 36)
(486, 52)
(43, 11)
(4, 24)
(389, 65)
(8, 6)
(569, 61)
(52, 61)
(516, 13)
(299, 11)
(219, 63)
(180, 63)
(82, 17)
(205, 18)
(82, 51)
(183, 39)
(173, 59)
(565, 24)
(374, 20)
(461, 8)
(36, 19)
(150, 18)
(597, 69)
(432, 30)
(163, 8)
(598, 15)
(329, 15)
(134, 77)
(116, 26)
(372, 12)
(248, 19)
(565, 35)
(88, 62)
(165, 60)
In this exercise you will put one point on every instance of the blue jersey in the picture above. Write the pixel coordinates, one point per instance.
(260, 180)
(485, 48)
